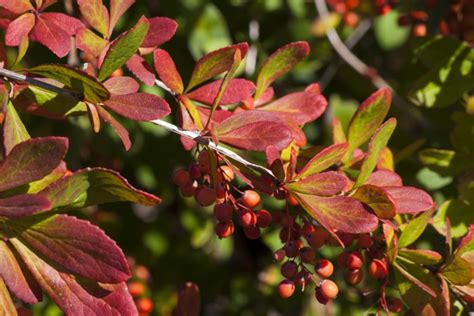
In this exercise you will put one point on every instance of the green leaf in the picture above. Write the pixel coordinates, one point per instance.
(414, 229)
(378, 142)
(123, 47)
(457, 270)
(96, 14)
(421, 256)
(377, 199)
(368, 118)
(78, 81)
(439, 160)
(460, 215)
(89, 42)
(14, 132)
(94, 186)
(323, 160)
(279, 63)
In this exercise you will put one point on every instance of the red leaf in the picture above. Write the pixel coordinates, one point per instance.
(139, 106)
(236, 91)
(161, 30)
(299, 107)
(342, 213)
(410, 200)
(121, 85)
(218, 116)
(48, 34)
(73, 298)
(96, 14)
(166, 69)
(31, 160)
(19, 28)
(78, 246)
(12, 274)
(253, 130)
(23, 205)
(118, 128)
(321, 184)
(117, 9)
(215, 63)
(16, 6)
(141, 69)
(64, 22)
(385, 178)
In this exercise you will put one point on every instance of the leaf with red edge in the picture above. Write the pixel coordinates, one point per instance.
(31, 160)
(161, 30)
(7, 307)
(253, 130)
(96, 14)
(95, 186)
(123, 47)
(385, 178)
(138, 106)
(140, 68)
(117, 9)
(19, 29)
(76, 245)
(457, 270)
(70, 296)
(121, 85)
(118, 128)
(12, 274)
(215, 63)
(368, 117)
(23, 205)
(90, 43)
(413, 229)
(410, 200)
(299, 107)
(378, 199)
(16, 6)
(54, 38)
(421, 256)
(166, 69)
(323, 160)
(342, 213)
(376, 145)
(14, 132)
(279, 63)
(321, 184)
(236, 91)
(65, 22)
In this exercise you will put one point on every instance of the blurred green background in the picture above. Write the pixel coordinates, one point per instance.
(175, 241)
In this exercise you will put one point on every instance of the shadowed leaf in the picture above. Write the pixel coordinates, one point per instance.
(118, 128)
(421, 256)
(7, 307)
(117, 9)
(23, 205)
(189, 300)
(140, 68)
(410, 200)
(31, 160)
(279, 63)
(457, 270)
(139, 106)
(121, 85)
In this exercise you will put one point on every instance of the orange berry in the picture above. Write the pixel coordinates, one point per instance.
(329, 289)
(224, 230)
(251, 198)
(136, 288)
(292, 200)
(264, 218)
(144, 305)
(324, 268)
(419, 30)
(353, 277)
(286, 288)
(354, 260)
(378, 269)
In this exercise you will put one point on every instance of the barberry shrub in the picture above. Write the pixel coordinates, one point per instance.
(346, 195)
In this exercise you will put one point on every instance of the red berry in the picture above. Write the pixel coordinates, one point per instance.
(320, 297)
(324, 268)
(247, 218)
(287, 220)
(264, 218)
(252, 232)
(307, 228)
(144, 305)
(354, 260)
(350, 19)
(194, 171)
(188, 190)
(291, 249)
(289, 269)
(378, 269)
(205, 195)
(468, 298)
(318, 237)
(365, 241)
(251, 198)
(292, 200)
(223, 212)
(224, 230)
(329, 289)
(136, 288)
(279, 255)
(181, 177)
(395, 305)
(384, 9)
(353, 277)
(307, 255)
(346, 238)
(286, 288)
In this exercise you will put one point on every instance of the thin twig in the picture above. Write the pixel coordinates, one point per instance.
(194, 135)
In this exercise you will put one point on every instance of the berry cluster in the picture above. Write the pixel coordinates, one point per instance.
(138, 288)
(351, 10)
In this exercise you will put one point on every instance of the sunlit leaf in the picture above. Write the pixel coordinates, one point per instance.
(378, 199)
(236, 91)
(324, 159)
(19, 28)
(413, 230)
(96, 14)
(89, 42)
(166, 69)
(161, 30)
(410, 200)
(140, 68)
(14, 132)
(321, 184)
